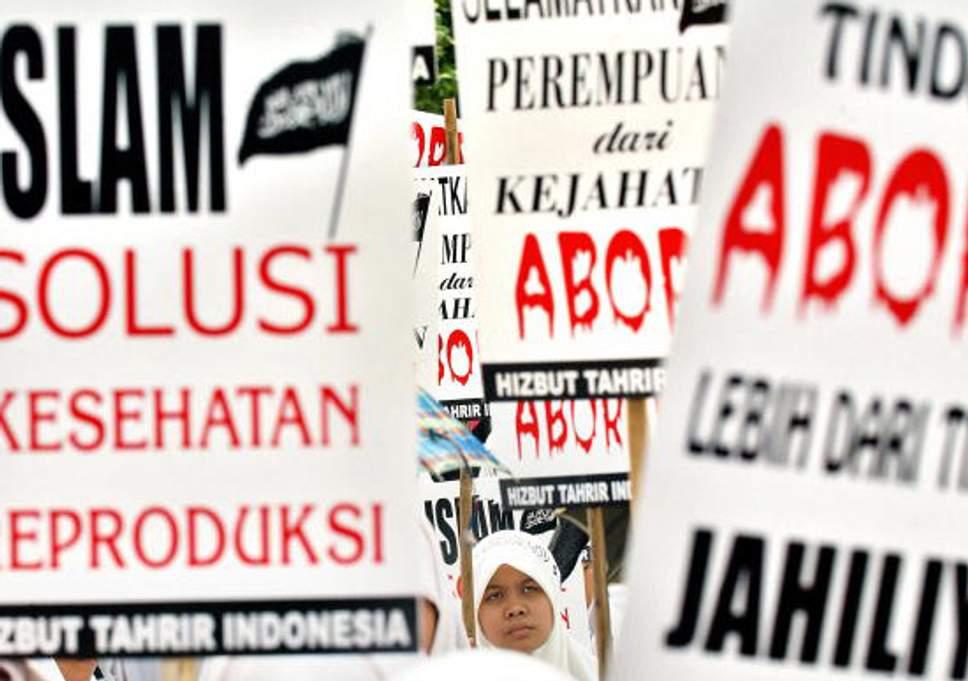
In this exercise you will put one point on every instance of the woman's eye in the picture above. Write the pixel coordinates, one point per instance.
(493, 596)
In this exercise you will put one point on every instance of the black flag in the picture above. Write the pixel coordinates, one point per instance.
(696, 12)
(305, 105)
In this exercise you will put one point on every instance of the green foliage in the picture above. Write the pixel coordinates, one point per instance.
(430, 98)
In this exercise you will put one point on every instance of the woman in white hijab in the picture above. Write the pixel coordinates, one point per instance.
(516, 597)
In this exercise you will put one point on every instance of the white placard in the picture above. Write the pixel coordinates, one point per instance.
(456, 372)
(799, 514)
(587, 127)
(204, 419)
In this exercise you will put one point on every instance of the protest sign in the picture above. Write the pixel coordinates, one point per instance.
(582, 214)
(456, 382)
(799, 513)
(205, 427)
(587, 126)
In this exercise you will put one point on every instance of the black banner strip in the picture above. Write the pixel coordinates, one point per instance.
(607, 489)
(573, 380)
(162, 629)
(466, 410)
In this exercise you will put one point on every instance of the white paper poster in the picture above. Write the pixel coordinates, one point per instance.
(588, 125)
(455, 373)
(204, 431)
(801, 506)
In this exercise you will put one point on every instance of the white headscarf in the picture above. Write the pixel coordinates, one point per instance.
(528, 555)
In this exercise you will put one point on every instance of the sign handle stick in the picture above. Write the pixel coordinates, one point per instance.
(466, 555)
(603, 626)
(179, 669)
(450, 126)
(638, 422)
(466, 481)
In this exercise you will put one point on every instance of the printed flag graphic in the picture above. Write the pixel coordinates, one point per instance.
(306, 105)
(697, 12)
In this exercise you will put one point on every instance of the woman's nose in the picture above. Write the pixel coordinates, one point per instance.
(515, 609)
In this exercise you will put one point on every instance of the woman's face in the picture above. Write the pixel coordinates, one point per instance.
(515, 613)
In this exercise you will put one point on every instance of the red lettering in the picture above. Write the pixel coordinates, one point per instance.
(611, 422)
(342, 323)
(139, 532)
(238, 294)
(290, 414)
(921, 176)
(765, 174)
(557, 427)
(219, 415)
(195, 559)
(59, 541)
(377, 533)
(672, 249)
(627, 246)
(107, 538)
(291, 531)
(18, 536)
(574, 246)
(526, 428)
(438, 141)
(90, 418)
(288, 290)
(43, 293)
(350, 412)
(417, 133)
(133, 327)
(584, 442)
(181, 416)
(262, 531)
(124, 414)
(455, 341)
(15, 301)
(255, 395)
(12, 443)
(38, 417)
(440, 364)
(350, 533)
(525, 293)
(836, 156)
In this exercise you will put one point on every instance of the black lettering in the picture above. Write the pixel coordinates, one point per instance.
(745, 568)
(681, 635)
(77, 195)
(810, 600)
(24, 203)
(173, 96)
(121, 71)
(839, 11)
(879, 658)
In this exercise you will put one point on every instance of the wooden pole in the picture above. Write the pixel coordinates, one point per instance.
(450, 126)
(638, 424)
(466, 481)
(603, 622)
(179, 669)
(466, 555)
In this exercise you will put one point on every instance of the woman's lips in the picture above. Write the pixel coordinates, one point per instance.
(519, 631)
